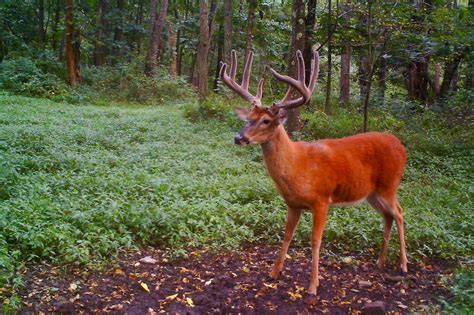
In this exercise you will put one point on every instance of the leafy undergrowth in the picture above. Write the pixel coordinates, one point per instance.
(77, 183)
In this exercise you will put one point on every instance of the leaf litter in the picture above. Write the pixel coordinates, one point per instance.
(234, 282)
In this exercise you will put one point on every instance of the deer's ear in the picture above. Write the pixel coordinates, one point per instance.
(282, 116)
(242, 112)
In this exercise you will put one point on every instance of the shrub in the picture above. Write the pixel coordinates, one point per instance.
(127, 82)
(23, 76)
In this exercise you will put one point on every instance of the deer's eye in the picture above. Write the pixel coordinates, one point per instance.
(266, 121)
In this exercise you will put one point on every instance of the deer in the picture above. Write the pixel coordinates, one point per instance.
(320, 174)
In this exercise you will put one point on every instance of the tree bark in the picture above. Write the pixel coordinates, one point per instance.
(310, 23)
(41, 28)
(345, 80)
(327, 103)
(100, 48)
(172, 44)
(156, 27)
(57, 16)
(72, 48)
(227, 30)
(297, 43)
(203, 50)
(250, 23)
(382, 75)
(118, 30)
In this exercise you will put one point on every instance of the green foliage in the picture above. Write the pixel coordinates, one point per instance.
(78, 183)
(463, 292)
(25, 76)
(127, 82)
(347, 122)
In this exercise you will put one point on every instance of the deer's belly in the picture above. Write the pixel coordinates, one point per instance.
(346, 203)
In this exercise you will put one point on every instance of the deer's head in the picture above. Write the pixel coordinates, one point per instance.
(261, 121)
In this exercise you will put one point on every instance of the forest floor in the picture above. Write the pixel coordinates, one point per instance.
(235, 282)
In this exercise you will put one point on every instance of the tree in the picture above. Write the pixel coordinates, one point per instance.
(100, 47)
(172, 38)
(201, 76)
(330, 30)
(156, 27)
(345, 83)
(297, 43)
(250, 26)
(227, 30)
(72, 44)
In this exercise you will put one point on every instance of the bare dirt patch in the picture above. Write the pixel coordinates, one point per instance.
(233, 282)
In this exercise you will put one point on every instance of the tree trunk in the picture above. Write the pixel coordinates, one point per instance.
(250, 23)
(327, 103)
(345, 80)
(203, 50)
(450, 71)
(100, 48)
(220, 48)
(173, 52)
(57, 16)
(227, 30)
(139, 21)
(156, 27)
(382, 76)
(72, 62)
(437, 78)
(297, 43)
(41, 29)
(118, 30)
(310, 23)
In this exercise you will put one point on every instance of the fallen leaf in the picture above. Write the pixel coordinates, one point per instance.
(172, 297)
(73, 287)
(294, 296)
(288, 256)
(245, 269)
(119, 272)
(190, 302)
(208, 282)
(145, 287)
(185, 280)
(270, 285)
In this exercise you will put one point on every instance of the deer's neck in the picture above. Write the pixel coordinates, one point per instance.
(278, 154)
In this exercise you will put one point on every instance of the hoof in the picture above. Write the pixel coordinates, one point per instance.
(311, 299)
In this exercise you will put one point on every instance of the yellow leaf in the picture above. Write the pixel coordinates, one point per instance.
(245, 269)
(271, 285)
(145, 287)
(298, 288)
(172, 297)
(190, 302)
(288, 256)
(185, 280)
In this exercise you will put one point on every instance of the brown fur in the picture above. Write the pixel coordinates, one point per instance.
(316, 175)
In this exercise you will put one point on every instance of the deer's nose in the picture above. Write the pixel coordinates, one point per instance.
(241, 139)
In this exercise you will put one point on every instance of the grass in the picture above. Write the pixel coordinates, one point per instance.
(79, 182)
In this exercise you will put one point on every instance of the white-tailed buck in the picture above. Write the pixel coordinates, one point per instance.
(319, 174)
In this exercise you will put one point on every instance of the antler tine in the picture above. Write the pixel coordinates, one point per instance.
(247, 70)
(233, 64)
(242, 89)
(298, 85)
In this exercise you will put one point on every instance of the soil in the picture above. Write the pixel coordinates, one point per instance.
(234, 282)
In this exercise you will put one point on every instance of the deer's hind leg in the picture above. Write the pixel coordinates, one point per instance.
(390, 209)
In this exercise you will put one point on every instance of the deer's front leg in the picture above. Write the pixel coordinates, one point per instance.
(292, 219)
(319, 221)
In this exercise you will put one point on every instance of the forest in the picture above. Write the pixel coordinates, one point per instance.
(121, 188)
